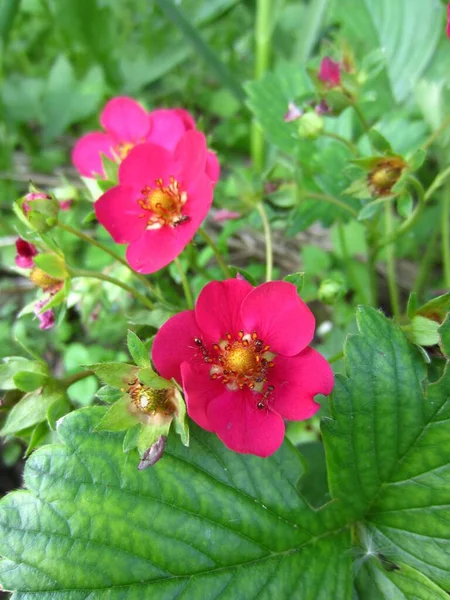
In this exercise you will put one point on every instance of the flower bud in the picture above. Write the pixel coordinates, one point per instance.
(40, 209)
(385, 175)
(331, 290)
(310, 126)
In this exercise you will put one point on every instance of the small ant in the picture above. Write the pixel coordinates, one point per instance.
(181, 220)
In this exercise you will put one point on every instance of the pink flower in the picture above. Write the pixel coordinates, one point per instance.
(243, 359)
(223, 214)
(330, 72)
(127, 124)
(47, 318)
(160, 202)
(65, 204)
(25, 254)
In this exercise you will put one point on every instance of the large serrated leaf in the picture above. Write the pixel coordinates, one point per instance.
(388, 447)
(203, 523)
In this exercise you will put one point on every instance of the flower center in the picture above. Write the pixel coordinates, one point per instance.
(241, 363)
(150, 401)
(123, 149)
(163, 204)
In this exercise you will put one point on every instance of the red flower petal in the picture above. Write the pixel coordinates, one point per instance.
(186, 117)
(190, 155)
(218, 307)
(199, 391)
(144, 164)
(119, 213)
(243, 427)
(125, 120)
(174, 344)
(86, 155)
(155, 249)
(275, 311)
(167, 127)
(297, 380)
(330, 72)
(212, 166)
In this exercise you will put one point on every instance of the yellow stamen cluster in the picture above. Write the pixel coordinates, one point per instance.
(165, 203)
(150, 401)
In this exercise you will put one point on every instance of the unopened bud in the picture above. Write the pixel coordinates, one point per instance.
(310, 126)
(45, 281)
(153, 454)
(331, 290)
(40, 209)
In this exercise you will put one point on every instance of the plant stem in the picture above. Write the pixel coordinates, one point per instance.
(336, 357)
(263, 30)
(267, 239)
(356, 283)
(101, 246)
(362, 118)
(434, 136)
(372, 264)
(330, 200)
(445, 231)
(71, 379)
(184, 283)
(390, 260)
(425, 264)
(102, 277)
(412, 219)
(215, 249)
(353, 149)
(437, 183)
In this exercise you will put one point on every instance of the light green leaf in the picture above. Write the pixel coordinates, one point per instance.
(396, 582)
(203, 522)
(297, 279)
(114, 374)
(27, 381)
(149, 377)
(387, 447)
(109, 394)
(9, 368)
(424, 332)
(137, 349)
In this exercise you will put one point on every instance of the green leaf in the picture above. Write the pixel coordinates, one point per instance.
(203, 522)
(114, 374)
(149, 434)
(52, 264)
(387, 447)
(38, 436)
(9, 368)
(137, 349)
(131, 438)
(109, 394)
(27, 381)
(118, 417)
(297, 279)
(31, 409)
(8, 12)
(193, 36)
(111, 168)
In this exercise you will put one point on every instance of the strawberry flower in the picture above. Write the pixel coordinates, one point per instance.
(126, 124)
(160, 202)
(243, 359)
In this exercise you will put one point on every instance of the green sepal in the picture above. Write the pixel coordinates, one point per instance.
(105, 184)
(370, 209)
(131, 438)
(43, 214)
(115, 374)
(137, 349)
(367, 163)
(109, 394)
(359, 189)
(411, 307)
(111, 168)
(444, 335)
(150, 433)
(437, 308)
(424, 332)
(416, 160)
(380, 142)
(149, 377)
(89, 218)
(298, 279)
(118, 417)
(52, 264)
(59, 298)
(234, 271)
(181, 420)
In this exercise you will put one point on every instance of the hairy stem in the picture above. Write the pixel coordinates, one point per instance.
(390, 260)
(268, 241)
(185, 284)
(214, 248)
